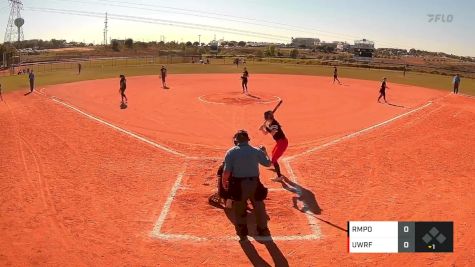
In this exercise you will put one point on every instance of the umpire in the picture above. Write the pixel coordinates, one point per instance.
(243, 162)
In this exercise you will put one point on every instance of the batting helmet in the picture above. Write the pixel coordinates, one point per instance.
(268, 115)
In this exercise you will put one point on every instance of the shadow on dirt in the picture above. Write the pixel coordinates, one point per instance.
(395, 105)
(309, 202)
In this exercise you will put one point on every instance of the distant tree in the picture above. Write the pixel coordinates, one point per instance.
(7, 50)
(242, 44)
(202, 50)
(270, 52)
(141, 44)
(196, 44)
(259, 53)
(189, 43)
(58, 43)
(115, 45)
(129, 43)
(294, 53)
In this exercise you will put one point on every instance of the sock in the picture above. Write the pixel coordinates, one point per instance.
(277, 169)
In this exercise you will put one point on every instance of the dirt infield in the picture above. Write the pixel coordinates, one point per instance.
(86, 183)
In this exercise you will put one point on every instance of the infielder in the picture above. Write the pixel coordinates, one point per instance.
(244, 78)
(382, 91)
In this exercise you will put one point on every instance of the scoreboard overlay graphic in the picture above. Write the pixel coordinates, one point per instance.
(395, 236)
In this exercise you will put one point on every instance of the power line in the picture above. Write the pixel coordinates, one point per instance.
(290, 27)
(216, 16)
(228, 17)
(197, 14)
(161, 22)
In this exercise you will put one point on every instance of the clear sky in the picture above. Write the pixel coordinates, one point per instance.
(390, 23)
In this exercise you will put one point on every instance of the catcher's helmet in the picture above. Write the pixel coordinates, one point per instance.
(241, 136)
(268, 115)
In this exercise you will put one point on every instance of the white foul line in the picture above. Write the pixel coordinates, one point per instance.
(465, 95)
(357, 133)
(122, 130)
(235, 238)
(168, 202)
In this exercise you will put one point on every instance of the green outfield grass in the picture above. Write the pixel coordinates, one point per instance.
(108, 69)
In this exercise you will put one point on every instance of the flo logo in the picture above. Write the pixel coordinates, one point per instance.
(442, 18)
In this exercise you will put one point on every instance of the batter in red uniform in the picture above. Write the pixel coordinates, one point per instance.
(273, 127)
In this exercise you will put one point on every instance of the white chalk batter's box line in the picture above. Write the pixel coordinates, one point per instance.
(156, 232)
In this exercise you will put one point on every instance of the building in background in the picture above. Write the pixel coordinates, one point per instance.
(326, 47)
(342, 46)
(263, 44)
(300, 42)
(214, 46)
(363, 48)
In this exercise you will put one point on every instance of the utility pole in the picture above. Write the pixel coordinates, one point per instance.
(105, 30)
(199, 39)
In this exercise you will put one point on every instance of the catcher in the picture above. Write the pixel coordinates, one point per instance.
(219, 198)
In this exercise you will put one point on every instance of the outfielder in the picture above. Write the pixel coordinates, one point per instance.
(456, 82)
(123, 86)
(335, 76)
(163, 75)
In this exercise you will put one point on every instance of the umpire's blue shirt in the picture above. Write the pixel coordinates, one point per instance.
(243, 161)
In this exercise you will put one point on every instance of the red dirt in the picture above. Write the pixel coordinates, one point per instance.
(76, 192)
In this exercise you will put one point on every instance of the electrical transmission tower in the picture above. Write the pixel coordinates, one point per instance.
(14, 31)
